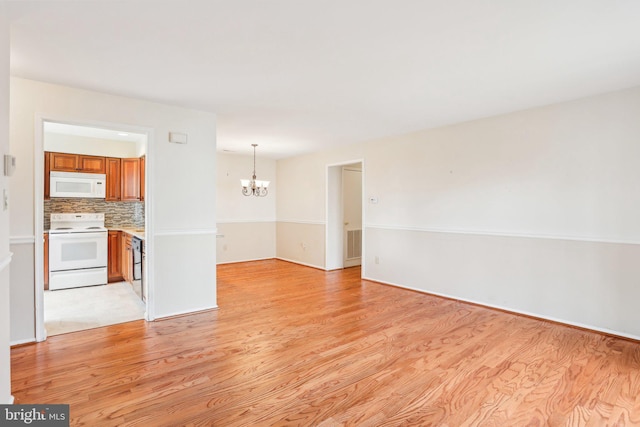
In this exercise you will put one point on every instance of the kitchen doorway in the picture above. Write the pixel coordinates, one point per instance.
(86, 154)
(344, 232)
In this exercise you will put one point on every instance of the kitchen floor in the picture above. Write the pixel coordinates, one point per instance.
(70, 310)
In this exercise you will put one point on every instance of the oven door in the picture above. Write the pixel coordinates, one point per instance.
(72, 251)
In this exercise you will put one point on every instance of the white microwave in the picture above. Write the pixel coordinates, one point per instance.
(73, 184)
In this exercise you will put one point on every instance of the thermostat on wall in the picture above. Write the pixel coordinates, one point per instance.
(9, 164)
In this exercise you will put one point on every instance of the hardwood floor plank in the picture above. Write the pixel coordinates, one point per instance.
(292, 345)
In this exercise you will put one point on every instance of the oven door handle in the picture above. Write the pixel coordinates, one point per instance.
(77, 236)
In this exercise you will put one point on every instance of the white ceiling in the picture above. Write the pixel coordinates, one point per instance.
(297, 76)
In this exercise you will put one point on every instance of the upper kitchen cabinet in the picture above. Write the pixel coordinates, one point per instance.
(47, 170)
(130, 179)
(125, 177)
(114, 181)
(142, 182)
(65, 162)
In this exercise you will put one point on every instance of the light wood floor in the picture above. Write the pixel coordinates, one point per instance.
(292, 345)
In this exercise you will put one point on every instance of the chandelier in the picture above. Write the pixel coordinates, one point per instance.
(254, 186)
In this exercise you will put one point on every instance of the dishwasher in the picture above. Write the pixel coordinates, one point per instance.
(137, 249)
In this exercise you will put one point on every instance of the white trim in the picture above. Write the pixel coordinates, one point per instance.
(6, 261)
(301, 263)
(511, 310)
(149, 215)
(38, 226)
(244, 221)
(24, 341)
(195, 232)
(21, 240)
(245, 260)
(501, 234)
(182, 313)
(345, 163)
(301, 221)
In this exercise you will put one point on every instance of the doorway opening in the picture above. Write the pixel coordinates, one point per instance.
(106, 291)
(345, 235)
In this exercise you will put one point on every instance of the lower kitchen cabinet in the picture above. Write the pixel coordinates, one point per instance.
(127, 261)
(114, 262)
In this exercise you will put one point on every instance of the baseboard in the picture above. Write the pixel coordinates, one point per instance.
(22, 342)
(244, 260)
(578, 325)
(185, 313)
(302, 263)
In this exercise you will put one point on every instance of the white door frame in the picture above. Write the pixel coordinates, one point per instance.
(38, 165)
(346, 225)
(334, 229)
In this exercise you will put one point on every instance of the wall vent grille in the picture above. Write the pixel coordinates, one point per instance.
(354, 244)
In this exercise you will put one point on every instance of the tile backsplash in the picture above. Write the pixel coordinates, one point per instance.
(116, 214)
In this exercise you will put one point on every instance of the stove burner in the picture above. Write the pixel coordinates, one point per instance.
(94, 228)
(63, 228)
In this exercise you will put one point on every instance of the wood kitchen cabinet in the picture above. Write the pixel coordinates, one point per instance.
(142, 181)
(127, 258)
(47, 170)
(114, 180)
(130, 179)
(66, 162)
(114, 262)
(46, 261)
(125, 177)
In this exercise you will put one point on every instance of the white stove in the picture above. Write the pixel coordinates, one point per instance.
(78, 245)
(76, 223)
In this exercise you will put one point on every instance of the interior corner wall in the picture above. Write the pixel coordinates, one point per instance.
(534, 212)
(246, 224)
(5, 254)
(181, 193)
(301, 208)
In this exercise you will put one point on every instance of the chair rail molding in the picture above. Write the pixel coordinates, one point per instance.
(21, 240)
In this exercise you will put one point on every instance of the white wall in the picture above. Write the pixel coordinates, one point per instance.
(180, 191)
(246, 224)
(91, 146)
(534, 211)
(5, 255)
(563, 171)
